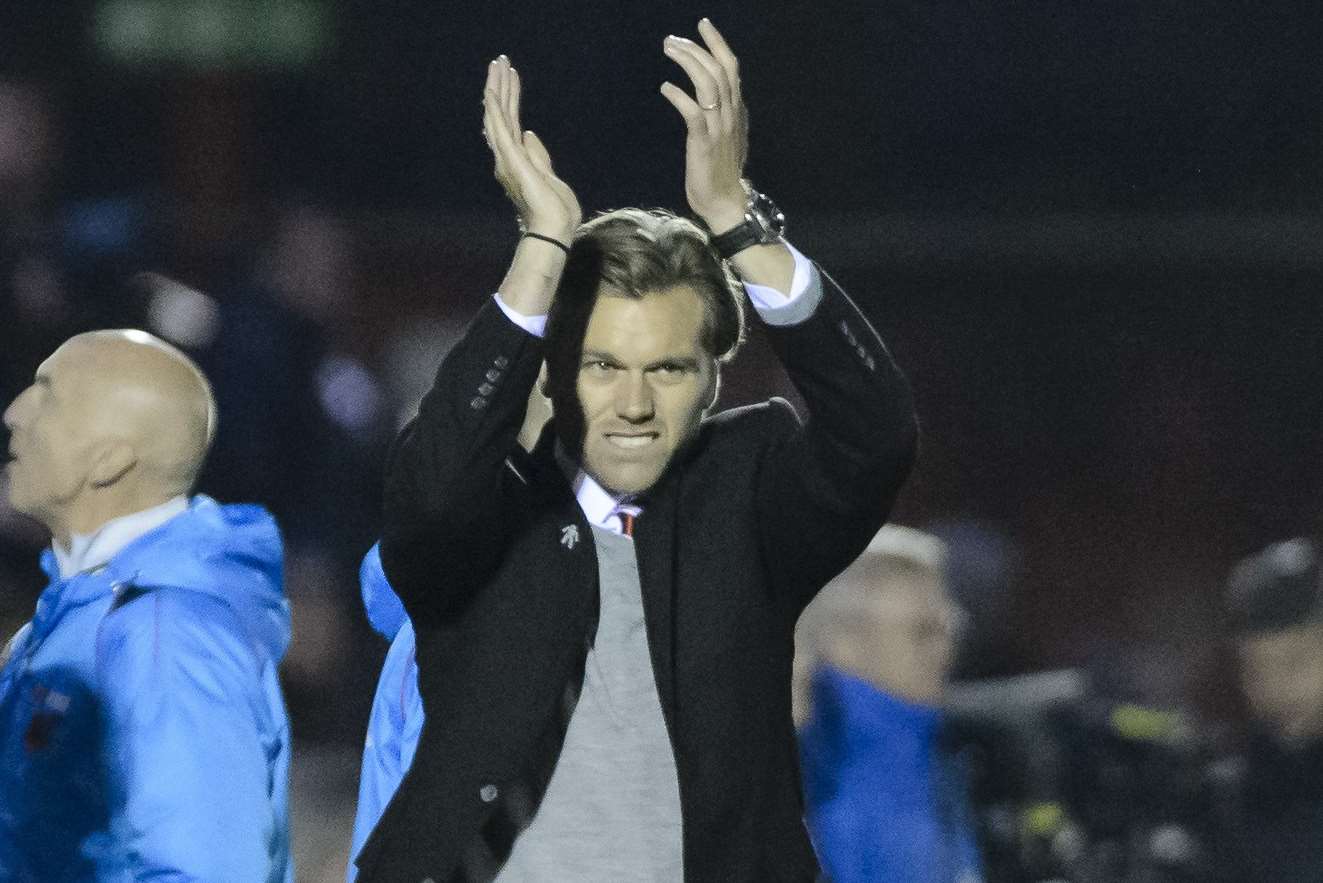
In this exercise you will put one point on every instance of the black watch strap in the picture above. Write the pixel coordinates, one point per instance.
(763, 223)
(737, 239)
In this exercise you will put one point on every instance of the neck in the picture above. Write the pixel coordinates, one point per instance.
(81, 551)
(96, 511)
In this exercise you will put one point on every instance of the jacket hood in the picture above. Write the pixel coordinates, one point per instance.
(230, 552)
(384, 609)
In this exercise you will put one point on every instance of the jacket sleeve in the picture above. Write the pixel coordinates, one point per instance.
(447, 483)
(187, 767)
(827, 486)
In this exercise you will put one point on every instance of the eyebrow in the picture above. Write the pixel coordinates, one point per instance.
(687, 362)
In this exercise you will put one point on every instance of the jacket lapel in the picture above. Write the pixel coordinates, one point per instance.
(655, 547)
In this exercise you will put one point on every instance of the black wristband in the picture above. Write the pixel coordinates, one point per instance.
(556, 242)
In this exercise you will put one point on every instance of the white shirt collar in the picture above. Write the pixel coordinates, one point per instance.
(87, 551)
(599, 505)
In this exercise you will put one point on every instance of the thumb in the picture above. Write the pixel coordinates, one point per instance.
(537, 152)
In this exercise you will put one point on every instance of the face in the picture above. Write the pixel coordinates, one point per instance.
(1282, 676)
(902, 639)
(48, 441)
(644, 382)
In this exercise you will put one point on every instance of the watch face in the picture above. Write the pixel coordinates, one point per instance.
(767, 216)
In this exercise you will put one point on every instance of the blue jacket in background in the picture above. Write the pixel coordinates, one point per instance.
(397, 709)
(883, 802)
(142, 727)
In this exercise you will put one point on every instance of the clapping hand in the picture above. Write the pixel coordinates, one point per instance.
(717, 125)
(546, 204)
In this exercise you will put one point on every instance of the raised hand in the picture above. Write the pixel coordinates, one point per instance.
(715, 148)
(717, 124)
(546, 204)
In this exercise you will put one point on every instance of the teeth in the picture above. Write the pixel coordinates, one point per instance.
(630, 441)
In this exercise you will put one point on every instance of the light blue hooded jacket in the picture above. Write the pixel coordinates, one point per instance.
(397, 709)
(142, 730)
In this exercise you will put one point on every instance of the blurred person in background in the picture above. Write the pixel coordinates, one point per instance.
(301, 404)
(397, 709)
(1271, 804)
(885, 798)
(142, 727)
(571, 737)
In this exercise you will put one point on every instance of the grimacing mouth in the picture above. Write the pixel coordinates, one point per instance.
(631, 440)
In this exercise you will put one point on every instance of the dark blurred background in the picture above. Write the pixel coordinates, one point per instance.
(1091, 231)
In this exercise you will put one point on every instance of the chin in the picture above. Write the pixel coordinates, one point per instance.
(14, 498)
(628, 481)
(625, 486)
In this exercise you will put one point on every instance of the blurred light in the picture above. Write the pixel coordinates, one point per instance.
(1042, 819)
(1293, 557)
(129, 29)
(102, 226)
(184, 316)
(206, 34)
(1173, 846)
(349, 394)
(211, 34)
(1138, 724)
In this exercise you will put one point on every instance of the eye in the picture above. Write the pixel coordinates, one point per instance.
(669, 372)
(600, 367)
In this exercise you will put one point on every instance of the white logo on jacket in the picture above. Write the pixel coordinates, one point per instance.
(569, 535)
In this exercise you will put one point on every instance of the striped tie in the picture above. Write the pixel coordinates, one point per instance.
(629, 516)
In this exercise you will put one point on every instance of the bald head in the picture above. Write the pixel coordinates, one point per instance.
(114, 422)
(148, 393)
(888, 618)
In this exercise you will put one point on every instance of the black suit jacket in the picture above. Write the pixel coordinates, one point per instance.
(495, 563)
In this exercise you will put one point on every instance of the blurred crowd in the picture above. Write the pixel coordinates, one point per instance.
(926, 756)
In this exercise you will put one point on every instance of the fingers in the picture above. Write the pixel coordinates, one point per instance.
(507, 94)
(702, 69)
(543, 202)
(714, 92)
(688, 108)
(721, 51)
(512, 104)
(490, 89)
(537, 152)
(500, 96)
(730, 66)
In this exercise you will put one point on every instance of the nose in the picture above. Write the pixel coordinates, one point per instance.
(634, 399)
(13, 413)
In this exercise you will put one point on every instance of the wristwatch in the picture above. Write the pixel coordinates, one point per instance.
(763, 224)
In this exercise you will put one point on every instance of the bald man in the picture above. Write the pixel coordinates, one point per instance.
(142, 730)
(883, 799)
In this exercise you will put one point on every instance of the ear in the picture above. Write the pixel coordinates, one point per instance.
(111, 462)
